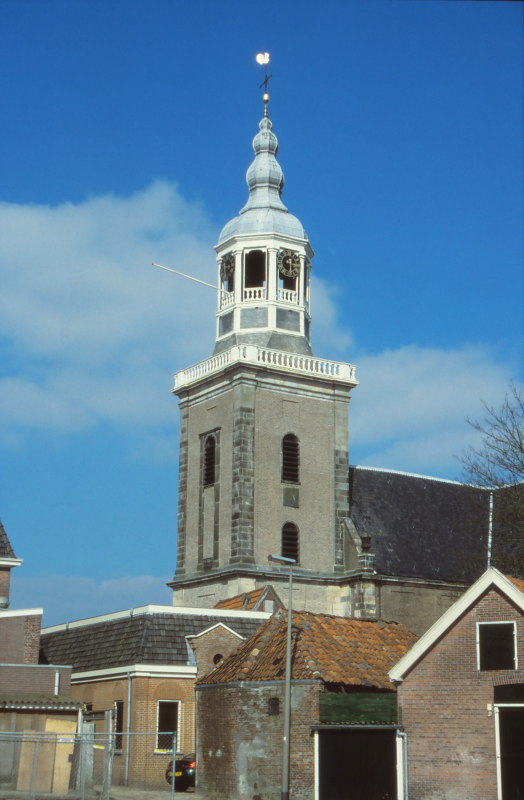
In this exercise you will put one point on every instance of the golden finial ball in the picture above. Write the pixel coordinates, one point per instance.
(265, 98)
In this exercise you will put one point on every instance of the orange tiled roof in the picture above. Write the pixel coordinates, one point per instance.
(241, 602)
(517, 583)
(354, 652)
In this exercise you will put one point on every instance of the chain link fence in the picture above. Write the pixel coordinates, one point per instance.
(89, 766)
(34, 764)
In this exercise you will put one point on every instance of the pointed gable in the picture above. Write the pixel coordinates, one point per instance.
(6, 551)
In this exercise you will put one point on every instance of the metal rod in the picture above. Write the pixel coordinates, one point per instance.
(173, 767)
(287, 698)
(128, 726)
(186, 276)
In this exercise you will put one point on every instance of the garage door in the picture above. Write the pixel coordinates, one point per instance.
(357, 765)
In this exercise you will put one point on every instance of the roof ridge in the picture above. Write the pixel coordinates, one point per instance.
(409, 474)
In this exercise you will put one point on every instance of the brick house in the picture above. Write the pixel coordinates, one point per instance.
(461, 697)
(33, 697)
(134, 672)
(343, 711)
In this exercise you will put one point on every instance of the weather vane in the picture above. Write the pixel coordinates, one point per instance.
(263, 58)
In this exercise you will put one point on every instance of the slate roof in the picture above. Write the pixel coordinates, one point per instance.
(142, 639)
(421, 527)
(6, 551)
(250, 601)
(33, 700)
(342, 650)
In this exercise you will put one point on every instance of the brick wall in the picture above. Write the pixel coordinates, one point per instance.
(146, 767)
(32, 639)
(239, 745)
(19, 639)
(5, 578)
(32, 678)
(218, 641)
(443, 702)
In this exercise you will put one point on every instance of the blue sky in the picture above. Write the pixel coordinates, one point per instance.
(126, 133)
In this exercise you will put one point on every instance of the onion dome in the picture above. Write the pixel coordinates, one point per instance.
(264, 211)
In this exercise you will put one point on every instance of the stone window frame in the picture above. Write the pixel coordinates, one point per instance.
(209, 563)
(515, 648)
(162, 750)
(290, 522)
(282, 480)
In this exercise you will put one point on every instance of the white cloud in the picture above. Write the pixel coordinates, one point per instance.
(70, 597)
(409, 411)
(94, 331)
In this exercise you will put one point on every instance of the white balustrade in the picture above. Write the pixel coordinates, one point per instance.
(227, 299)
(290, 362)
(254, 294)
(287, 295)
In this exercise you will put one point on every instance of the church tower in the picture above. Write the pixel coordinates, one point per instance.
(263, 422)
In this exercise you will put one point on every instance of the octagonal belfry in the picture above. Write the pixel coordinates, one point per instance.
(264, 424)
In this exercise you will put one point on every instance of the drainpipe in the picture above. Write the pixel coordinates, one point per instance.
(490, 531)
(405, 762)
(128, 727)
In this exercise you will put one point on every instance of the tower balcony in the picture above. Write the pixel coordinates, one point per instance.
(274, 359)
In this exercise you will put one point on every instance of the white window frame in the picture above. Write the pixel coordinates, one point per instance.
(497, 742)
(499, 622)
(158, 749)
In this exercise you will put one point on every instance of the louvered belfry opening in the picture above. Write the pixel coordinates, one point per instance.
(290, 541)
(209, 461)
(290, 459)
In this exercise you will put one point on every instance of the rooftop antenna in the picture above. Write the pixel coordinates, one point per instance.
(263, 58)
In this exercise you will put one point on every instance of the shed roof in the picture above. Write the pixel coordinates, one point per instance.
(353, 652)
(21, 700)
(145, 639)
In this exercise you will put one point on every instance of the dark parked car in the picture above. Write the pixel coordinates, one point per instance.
(185, 768)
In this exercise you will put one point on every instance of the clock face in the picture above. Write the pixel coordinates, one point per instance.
(227, 266)
(288, 263)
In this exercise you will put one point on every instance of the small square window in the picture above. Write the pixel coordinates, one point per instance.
(496, 645)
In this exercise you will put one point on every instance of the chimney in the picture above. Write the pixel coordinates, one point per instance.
(366, 559)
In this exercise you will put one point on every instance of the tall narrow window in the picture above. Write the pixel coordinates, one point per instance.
(167, 724)
(255, 269)
(119, 723)
(290, 458)
(290, 541)
(209, 460)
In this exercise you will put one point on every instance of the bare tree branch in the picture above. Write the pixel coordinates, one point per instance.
(498, 465)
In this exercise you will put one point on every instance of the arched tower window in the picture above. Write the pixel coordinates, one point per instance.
(209, 461)
(290, 547)
(255, 269)
(290, 458)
